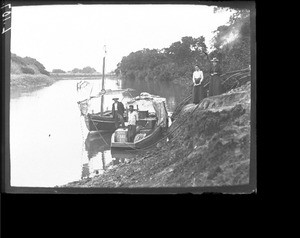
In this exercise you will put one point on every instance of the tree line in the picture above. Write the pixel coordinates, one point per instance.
(85, 70)
(231, 45)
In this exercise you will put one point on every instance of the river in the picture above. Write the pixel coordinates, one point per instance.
(49, 142)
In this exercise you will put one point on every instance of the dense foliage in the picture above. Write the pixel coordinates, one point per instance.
(231, 44)
(176, 61)
(26, 62)
(58, 71)
(85, 70)
(27, 70)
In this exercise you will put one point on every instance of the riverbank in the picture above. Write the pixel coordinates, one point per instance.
(20, 83)
(210, 146)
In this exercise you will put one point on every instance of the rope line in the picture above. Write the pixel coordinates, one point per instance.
(99, 132)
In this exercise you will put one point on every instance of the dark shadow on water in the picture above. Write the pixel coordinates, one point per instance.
(97, 146)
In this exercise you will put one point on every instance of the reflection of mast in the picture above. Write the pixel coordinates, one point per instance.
(103, 161)
(85, 173)
(103, 76)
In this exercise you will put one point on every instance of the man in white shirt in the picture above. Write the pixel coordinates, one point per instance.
(198, 93)
(132, 120)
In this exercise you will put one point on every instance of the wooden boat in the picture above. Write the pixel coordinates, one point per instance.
(103, 120)
(150, 126)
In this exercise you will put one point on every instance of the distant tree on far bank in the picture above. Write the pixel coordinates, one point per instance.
(58, 71)
(85, 70)
(88, 70)
(76, 70)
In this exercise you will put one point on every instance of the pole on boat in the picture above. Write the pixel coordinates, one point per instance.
(103, 76)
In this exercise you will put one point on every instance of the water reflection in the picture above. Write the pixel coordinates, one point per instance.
(100, 157)
(97, 146)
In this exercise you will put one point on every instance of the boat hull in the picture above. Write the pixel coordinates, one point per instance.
(99, 123)
(145, 142)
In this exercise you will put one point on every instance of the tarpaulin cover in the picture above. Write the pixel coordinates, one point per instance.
(161, 112)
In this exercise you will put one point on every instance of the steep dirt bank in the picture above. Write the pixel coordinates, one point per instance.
(209, 146)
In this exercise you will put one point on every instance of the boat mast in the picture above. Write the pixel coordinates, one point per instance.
(103, 76)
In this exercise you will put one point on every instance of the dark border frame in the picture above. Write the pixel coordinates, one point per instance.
(5, 183)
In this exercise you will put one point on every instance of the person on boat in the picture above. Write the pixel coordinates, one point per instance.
(198, 90)
(215, 80)
(132, 120)
(118, 112)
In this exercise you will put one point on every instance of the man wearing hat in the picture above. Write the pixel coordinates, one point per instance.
(118, 112)
(215, 80)
(132, 120)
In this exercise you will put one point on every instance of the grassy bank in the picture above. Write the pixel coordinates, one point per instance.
(25, 82)
(209, 146)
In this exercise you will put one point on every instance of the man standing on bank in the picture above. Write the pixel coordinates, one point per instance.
(118, 112)
(198, 91)
(132, 120)
(215, 80)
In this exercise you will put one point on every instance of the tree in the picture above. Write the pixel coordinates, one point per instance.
(58, 71)
(76, 70)
(27, 70)
(232, 42)
(88, 70)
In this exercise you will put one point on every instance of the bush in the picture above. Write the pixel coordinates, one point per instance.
(27, 70)
(57, 71)
(43, 71)
(88, 70)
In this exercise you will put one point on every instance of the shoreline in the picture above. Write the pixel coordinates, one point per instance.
(20, 83)
(211, 147)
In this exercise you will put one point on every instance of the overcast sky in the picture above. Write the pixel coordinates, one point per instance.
(72, 36)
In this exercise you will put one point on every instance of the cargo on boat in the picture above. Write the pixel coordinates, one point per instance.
(152, 122)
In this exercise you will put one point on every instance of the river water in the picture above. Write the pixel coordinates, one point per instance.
(49, 142)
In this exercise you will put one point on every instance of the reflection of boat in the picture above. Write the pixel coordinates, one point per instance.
(97, 142)
(153, 120)
(96, 145)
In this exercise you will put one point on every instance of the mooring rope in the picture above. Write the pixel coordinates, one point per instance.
(99, 132)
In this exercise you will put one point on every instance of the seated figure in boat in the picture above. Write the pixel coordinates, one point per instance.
(118, 112)
(132, 121)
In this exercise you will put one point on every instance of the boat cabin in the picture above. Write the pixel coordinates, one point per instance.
(151, 120)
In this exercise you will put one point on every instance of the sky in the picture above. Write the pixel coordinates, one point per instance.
(73, 36)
